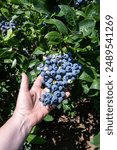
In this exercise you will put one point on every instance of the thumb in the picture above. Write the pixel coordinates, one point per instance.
(24, 82)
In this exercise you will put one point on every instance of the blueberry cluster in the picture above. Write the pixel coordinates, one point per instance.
(79, 2)
(43, 24)
(25, 52)
(58, 72)
(4, 26)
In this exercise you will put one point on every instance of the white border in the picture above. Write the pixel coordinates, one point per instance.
(107, 7)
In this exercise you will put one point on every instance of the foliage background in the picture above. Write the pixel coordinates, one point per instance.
(45, 27)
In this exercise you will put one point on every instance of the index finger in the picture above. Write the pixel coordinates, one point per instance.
(38, 81)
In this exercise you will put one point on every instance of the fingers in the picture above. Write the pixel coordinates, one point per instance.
(67, 94)
(50, 107)
(46, 90)
(24, 83)
(38, 82)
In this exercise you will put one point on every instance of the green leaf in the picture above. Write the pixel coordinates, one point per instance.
(98, 59)
(65, 102)
(96, 140)
(6, 53)
(85, 88)
(4, 90)
(87, 75)
(48, 118)
(20, 59)
(33, 130)
(66, 107)
(34, 139)
(14, 62)
(54, 37)
(4, 11)
(69, 15)
(19, 1)
(9, 35)
(33, 63)
(95, 84)
(92, 11)
(87, 26)
(38, 51)
(80, 13)
(59, 24)
(7, 61)
(40, 6)
(73, 38)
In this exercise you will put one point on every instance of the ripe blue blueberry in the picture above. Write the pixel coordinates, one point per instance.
(49, 57)
(60, 62)
(80, 67)
(80, 1)
(68, 76)
(65, 56)
(43, 24)
(43, 74)
(48, 72)
(48, 62)
(68, 69)
(61, 88)
(76, 72)
(5, 26)
(50, 80)
(58, 77)
(54, 67)
(46, 101)
(65, 78)
(48, 95)
(54, 60)
(57, 93)
(59, 72)
(60, 99)
(75, 66)
(54, 100)
(53, 73)
(60, 83)
(47, 16)
(63, 94)
(63, 66)
(48, 85)
(54, 88)
(46, 76)
(65, 82)
(70, 59)
(73, 78)
(50, 68)
(62, 71)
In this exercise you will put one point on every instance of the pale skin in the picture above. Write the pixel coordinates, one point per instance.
(28, 112)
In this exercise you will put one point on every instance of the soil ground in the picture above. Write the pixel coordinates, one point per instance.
(65, 133)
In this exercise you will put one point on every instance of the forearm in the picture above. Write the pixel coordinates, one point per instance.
(13, 133)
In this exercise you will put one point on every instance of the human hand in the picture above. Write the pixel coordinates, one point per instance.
(28, 102)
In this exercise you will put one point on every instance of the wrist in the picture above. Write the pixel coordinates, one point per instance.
(23, 123)
(14, 131)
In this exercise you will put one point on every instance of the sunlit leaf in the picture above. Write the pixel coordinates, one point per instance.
(59, 24)
(54, 37)
(35, 139)
(48, 118)
(87, 26)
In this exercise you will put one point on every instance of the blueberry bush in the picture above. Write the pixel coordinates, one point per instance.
(33, 30)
